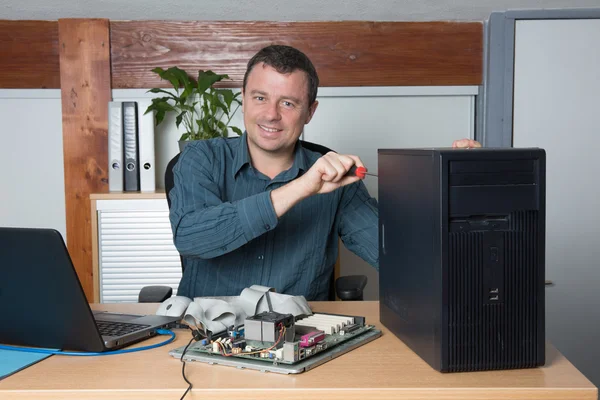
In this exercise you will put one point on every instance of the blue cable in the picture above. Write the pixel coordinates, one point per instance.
(83, 353)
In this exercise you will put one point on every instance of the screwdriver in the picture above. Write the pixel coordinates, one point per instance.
(359, 171)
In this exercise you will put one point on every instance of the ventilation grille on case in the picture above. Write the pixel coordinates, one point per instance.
(501, 335)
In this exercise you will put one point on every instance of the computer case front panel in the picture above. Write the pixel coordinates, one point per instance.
(480, 273)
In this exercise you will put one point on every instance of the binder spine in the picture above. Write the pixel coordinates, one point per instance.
(146, 146)
(115, 146)
(130, 145)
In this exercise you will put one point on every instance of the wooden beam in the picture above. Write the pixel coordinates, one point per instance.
(29, 55)
(85, 93)
(350, 53)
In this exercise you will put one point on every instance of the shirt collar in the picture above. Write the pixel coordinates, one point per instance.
(301, 158)
(242, 157)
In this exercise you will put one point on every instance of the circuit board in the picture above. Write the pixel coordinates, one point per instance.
(302, 352)
(301, 343)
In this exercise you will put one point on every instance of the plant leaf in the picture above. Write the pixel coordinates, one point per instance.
(187, 107)
(206, 105)
(216, 101)
(236, 98)
(222, 128)
(236, 130)
(168, 76)
(159, 101)
(160, 115)
(205, 109)
(158, 90)
(227, 96)
(184, 80)
(208, 78)
(159, 105)
(179, 118)
(149, 109)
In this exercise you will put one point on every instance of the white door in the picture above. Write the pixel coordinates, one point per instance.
(557, 107)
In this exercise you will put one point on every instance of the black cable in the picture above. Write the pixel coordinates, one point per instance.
(183, 369)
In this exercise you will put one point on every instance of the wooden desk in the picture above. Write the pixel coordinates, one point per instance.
(382, 369)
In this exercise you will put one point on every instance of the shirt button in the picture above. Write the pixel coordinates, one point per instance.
(267, 227)
(260, 257)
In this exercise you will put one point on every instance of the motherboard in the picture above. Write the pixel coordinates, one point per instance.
(281, 339)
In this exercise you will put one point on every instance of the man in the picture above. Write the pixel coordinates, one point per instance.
(261, 209)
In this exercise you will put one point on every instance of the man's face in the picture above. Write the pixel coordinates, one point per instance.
(275, 108)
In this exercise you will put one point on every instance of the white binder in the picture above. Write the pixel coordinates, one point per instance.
(115, 146)
(146, 146)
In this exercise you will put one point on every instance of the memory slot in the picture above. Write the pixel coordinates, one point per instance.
(329, 323)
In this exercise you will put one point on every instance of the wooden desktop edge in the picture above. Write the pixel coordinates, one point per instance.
(384, 368)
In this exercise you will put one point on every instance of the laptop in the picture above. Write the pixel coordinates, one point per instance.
(42, 303)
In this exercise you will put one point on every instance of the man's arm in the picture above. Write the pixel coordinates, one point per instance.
(326, 175)
(359, 217)
(359, 223)
(203, 224)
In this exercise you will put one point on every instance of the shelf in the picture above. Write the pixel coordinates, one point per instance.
(159, 194)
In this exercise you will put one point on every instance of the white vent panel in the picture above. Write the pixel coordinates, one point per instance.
(136, 250)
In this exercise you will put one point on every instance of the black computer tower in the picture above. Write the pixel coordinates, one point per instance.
(462, 255)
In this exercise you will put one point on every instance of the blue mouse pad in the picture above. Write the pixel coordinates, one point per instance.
(13, 361)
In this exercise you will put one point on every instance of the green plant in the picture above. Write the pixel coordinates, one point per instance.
(197, 104)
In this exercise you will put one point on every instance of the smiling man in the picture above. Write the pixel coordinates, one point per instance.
(261, 209)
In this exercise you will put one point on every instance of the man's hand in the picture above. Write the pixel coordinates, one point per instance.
(465, 144)
(329, 173)
(326, 175)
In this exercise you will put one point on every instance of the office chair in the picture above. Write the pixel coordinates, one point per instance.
(349, 288)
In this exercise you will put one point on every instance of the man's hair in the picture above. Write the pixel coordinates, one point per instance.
(285, 60)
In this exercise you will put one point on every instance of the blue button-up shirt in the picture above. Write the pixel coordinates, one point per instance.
(225, 226)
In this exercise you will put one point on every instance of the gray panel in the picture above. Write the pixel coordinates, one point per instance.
(573, 13)
(498, 84)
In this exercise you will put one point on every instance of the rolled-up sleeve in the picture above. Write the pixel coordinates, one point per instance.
(359, 223)
(203, 224)
(256, 214)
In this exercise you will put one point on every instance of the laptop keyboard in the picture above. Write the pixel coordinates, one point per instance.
(118, 328)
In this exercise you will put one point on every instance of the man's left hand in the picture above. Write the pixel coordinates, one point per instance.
(465, 144)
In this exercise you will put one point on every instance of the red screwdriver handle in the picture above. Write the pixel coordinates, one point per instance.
(361, 172)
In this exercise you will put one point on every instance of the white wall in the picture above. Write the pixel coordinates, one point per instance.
(275, 10)
(31, 159)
